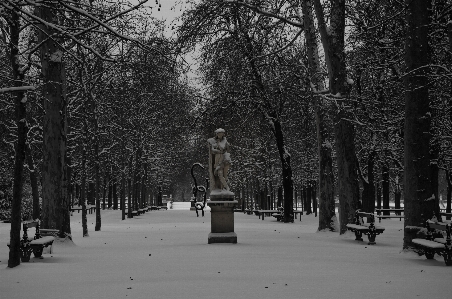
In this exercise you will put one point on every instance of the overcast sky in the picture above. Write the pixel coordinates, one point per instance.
(169, 10)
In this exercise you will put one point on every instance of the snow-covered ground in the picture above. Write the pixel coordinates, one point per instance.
(164, 254)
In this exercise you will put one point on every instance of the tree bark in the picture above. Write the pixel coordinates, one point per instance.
(324, 143)
(54, 207)
(385, 185)
(33, 183)
(419, 205)
(97, 167)
(344, 131)
(83, 197)
(368, 196)
(20, 111)
(286, 171)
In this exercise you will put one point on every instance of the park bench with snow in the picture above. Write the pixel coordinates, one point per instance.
(393, 213)
(369, 228)
(435, 241)
(36, 244)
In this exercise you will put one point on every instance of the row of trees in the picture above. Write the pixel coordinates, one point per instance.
(350, 94)
(372, 101)
(91, 92)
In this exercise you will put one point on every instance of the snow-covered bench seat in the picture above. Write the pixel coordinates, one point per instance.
(35, 245)
(431, 245)
(369, 229)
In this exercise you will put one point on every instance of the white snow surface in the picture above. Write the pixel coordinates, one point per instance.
(164, 254)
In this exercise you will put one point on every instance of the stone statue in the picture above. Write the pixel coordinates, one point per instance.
(219, 161)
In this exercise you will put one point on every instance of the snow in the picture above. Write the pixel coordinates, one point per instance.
(164, 254)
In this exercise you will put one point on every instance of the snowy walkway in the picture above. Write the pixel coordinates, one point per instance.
(164, 254)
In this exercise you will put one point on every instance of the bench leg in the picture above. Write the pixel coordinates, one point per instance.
(38, 251)
(371, 238)
(429, 254)
(25, 253)
(448, 258)
(358, 235)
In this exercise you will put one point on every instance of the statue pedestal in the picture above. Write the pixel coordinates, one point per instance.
(222, 218)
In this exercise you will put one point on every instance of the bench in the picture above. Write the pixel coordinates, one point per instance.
(435, 241)
(280, 215)
(264, 212)
(369, 229)
(35, 245)
(90, 209)
(134, 213)
(248, 211)
(397, 213)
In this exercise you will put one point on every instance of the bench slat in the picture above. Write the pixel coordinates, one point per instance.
(428, 243)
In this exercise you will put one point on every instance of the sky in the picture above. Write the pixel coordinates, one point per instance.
(169, 10)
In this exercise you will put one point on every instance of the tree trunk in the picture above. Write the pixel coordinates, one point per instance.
(33, 183)
(419, 204)
(449, 194)
(368, 197)
(20, 111)
(83, 196)
(385, 185)
(333, 43)
(378, 196)
(324, 143)
(110, 193)
(97, 167)
(348, 187)
(123, 196)
(115, 194)
(286, 171)
(308, 198)
(54, 207)
(129, 201)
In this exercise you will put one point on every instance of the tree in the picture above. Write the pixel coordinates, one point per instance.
(420, 203)
(20, 111)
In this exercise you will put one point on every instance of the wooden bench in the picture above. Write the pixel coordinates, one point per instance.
(396, 213)
(134, 213)
(280, 215)
(35, 245)
(369, 229)
(90, 209)
(265, 212)
(435, 241)
(248, 211)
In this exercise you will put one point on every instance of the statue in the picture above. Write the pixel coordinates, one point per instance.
(219, 161)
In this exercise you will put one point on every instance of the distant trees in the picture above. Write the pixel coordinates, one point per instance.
(75, 110)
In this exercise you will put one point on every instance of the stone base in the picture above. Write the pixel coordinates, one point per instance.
(230, 237)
